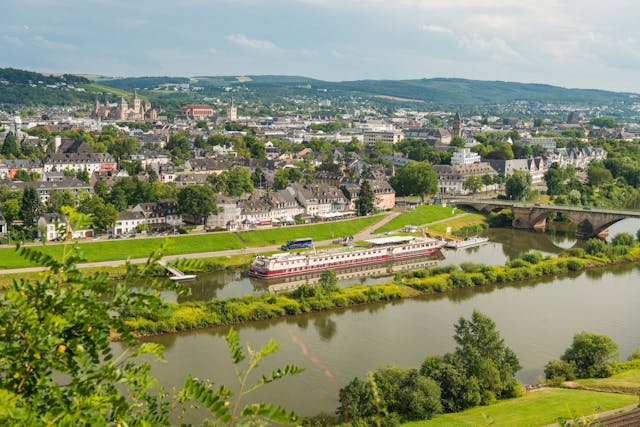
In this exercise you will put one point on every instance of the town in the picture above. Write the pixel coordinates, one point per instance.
(143, 171)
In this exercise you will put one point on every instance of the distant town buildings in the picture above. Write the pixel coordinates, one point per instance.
(197, 111)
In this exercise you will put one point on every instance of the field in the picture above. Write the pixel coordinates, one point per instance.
(323, 231)
(533, 409)
(130, 248)
(418, 216)
(625, 382)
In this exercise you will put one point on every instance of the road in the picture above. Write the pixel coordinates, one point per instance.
(365, 234)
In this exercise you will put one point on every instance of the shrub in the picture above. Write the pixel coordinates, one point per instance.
(575, 252)
(623, 239)
(470, 267)
(517, 263)
(532, 257)
(574, 265)
(592, 354)
(558, 371)
(595, 247)
(459, 279)
(478, 279)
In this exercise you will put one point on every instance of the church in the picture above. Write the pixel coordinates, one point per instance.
(121, 111)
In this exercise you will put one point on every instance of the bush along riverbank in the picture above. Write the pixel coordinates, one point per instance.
(328, 296)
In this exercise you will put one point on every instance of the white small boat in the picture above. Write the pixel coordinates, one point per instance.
(183, 277)
(469, 241)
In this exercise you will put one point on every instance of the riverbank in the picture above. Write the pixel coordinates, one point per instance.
(228, 311)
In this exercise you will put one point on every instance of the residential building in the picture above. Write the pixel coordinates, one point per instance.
(45, 188)
(548, 144)
(464, 156)
(451, 178)
(128, 222)
(533, 166)
(161, 215)
(91, 162)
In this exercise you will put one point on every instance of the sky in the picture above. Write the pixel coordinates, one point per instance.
(569, 43)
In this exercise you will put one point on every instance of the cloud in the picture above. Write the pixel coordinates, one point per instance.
(242, 40)
(494, 48)
(12, 41)
(44, 43)
(212, 50)
(435, 29)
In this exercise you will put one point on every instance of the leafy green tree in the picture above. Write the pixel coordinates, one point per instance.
(592, 354)
(104, 215)
(11, 209)
(487, 180)
(197, 201)
(83, 175)
(22, 175)
(10, 148)
(473, 184)
(179, 146)
(598, 174)
(358, 401)
(285, 176)
(518, 186)
(481, 369)
(238, 181)
(457, 141)
(258, 178)
(366, 198)
(55, 341)
(415, 179)
(58, 199)
(328, 281)
(538, 122)
(30, 206)
(603, 122)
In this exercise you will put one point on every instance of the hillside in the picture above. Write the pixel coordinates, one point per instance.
(29, 88)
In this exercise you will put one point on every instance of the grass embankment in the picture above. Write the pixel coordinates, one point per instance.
(418, 216)
(130, 248)
(322, 231)
(304, 299)
(468, 220)
(533, 409)
(626, 382)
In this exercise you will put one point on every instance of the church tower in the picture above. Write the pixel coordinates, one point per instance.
(232, 112)
(137, 110)
(457, 125)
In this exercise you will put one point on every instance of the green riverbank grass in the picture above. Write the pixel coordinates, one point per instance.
(627, 382)
(536, 408)
(458, 222)
(418, 216)
(130, 248)
(322, 231)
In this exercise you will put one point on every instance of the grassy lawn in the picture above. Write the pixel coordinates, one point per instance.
(418, 216)
(533, 409)
(131, 248)
(625, 382)
(322, 231)
(457, 223)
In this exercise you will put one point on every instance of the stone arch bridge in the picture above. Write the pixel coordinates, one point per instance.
(591, 222)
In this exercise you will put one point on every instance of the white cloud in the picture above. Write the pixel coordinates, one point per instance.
(12, 40)
(242, 40)
(494, 48)
(212, 50)
(435, 29)
(44, 43)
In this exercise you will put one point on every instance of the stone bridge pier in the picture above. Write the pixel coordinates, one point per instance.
(589, 224)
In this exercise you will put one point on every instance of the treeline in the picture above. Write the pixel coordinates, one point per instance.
(16, 76)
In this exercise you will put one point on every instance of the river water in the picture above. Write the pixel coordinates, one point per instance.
(537, 319)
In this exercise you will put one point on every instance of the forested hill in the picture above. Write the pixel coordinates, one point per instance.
(21, 87)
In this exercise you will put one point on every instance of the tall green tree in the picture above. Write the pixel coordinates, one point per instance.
(10, 148)
(366, 198)
(238, 180)
(197, 201)
(58, 199)
(415, 179)
(592, 354)
(473, 184)
(518, 186)
(30, 206)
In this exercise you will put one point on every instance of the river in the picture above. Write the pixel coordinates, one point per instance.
(537, 319)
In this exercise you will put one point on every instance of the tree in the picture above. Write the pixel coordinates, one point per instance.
(592, 354)
(285, 176)
(10, 148)
(257, 177)
(83, 175)
(357, 401)
(473, 184)
(487, 180)
(22, 175)
(197, 201)
(538, 122)
(415, 179)
(238, 181)
(598, 174)
(30, 207)
(457, 141)
(60, 198)
(364, 204)
(328, 280)
(104, 215)
(481, 369)
(518, 186)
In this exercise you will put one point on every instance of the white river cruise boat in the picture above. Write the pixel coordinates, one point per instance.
(379, 250)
